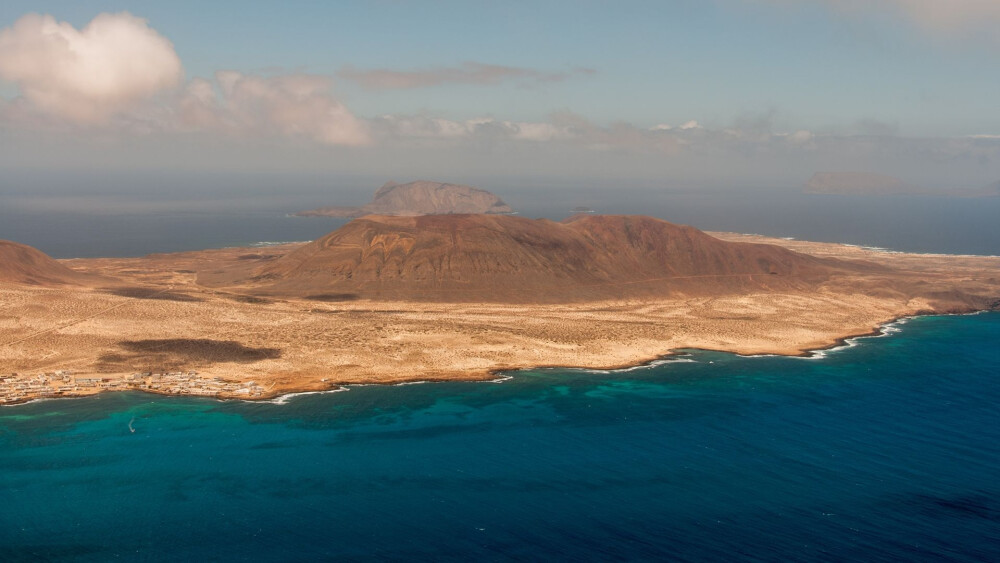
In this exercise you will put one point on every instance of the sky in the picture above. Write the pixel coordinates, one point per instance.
(706, 93)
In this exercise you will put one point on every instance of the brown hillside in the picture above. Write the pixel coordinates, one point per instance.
(512, 259)
(23, 264)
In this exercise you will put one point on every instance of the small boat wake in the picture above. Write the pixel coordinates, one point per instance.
(130, 427)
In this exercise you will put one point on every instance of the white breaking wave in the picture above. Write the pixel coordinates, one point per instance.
(283, 399)
(648, 365)
(276, 243)
(887, 329)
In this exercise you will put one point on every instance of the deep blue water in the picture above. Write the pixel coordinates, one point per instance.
(885, 451)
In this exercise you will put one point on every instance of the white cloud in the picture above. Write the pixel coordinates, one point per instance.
(690, 125)
(198, 105)
(527, 131)
(87, 75)
(562, 128)
(292, 105)
(113, 69)
(423, 127)
(801, 136)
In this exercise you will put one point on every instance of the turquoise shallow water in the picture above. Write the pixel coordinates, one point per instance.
(887, 450)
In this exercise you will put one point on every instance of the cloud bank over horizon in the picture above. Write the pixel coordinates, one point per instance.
(292, 105)
(469, 72)
(118, 78)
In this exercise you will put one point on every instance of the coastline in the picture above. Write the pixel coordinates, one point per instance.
(500, 375)
(191, 340)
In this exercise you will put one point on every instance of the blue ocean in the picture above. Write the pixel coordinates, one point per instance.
(91, 215)
(885, 450)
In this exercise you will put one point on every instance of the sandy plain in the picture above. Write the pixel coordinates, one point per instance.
(159, 331)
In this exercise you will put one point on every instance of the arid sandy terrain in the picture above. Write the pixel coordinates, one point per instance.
(156, 329)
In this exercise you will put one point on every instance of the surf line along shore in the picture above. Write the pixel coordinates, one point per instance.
(253, 323)
(18, 390)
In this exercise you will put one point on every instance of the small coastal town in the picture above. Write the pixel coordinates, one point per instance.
(19, 388)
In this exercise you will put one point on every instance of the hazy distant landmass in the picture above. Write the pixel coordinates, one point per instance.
(867, 183)
(859, 183)
(420, 198)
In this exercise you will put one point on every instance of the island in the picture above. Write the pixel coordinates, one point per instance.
(390, 299)
(420, 198)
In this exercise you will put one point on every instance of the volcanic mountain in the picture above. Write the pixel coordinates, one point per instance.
(512, 259)
(23, 264)
(420, 198)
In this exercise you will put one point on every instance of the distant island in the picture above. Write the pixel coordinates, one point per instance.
(389, 299)
(420, 198)
(867, 183)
